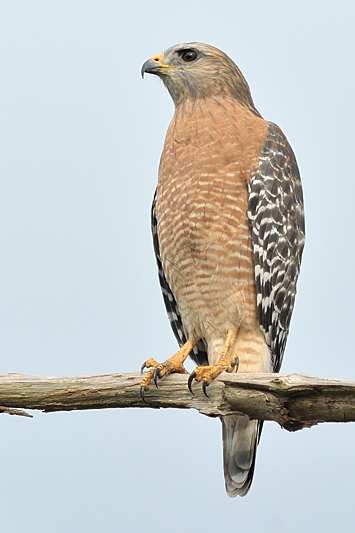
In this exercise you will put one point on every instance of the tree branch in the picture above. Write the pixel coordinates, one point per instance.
(293, 401)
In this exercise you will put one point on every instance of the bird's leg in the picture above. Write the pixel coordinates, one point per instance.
(172, 365)
(227, 362)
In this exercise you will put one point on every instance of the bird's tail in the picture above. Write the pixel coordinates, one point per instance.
(240, 440)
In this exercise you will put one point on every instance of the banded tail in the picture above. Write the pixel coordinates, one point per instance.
(240, 440)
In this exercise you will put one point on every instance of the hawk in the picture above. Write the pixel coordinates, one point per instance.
(228, 233)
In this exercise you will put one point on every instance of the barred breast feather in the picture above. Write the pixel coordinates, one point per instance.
(199, 354)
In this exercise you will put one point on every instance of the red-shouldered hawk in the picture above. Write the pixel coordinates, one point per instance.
(228, 231)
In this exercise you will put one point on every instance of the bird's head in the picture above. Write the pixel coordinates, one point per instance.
(195, 70)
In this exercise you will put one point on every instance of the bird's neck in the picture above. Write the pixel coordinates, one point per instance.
(196, 119)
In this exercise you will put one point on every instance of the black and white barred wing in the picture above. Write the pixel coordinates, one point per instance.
(275, 211)
(199, 354)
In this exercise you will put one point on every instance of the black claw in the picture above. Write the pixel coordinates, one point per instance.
(204, 388)
(156, 376)
(141, 394)
(236, 366)
(190, 380)
(143, 367)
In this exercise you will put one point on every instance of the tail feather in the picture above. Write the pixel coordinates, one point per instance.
(240, 440)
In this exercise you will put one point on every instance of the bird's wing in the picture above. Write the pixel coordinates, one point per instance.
(199, 354)
(275, 212)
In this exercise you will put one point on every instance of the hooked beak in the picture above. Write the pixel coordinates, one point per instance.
(154, 65)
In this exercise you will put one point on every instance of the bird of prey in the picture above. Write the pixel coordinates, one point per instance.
(228, 233)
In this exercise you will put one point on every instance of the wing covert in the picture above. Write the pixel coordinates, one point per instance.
(275, 212)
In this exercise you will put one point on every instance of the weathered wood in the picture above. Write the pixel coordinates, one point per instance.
(293, 401)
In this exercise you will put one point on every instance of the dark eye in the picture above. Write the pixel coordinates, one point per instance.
(188, 55)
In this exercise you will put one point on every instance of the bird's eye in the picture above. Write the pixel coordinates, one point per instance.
(188, 55)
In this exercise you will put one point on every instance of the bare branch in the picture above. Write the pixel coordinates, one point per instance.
(11, 411)
(293, 401)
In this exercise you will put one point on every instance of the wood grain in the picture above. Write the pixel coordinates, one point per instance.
(293, 401)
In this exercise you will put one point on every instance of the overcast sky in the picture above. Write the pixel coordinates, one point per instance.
(80, 138)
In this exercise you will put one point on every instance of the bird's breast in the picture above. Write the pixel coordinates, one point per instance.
(201, 206)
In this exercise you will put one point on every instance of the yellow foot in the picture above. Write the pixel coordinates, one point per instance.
(206, 374)
(227, 362)
(156, 370)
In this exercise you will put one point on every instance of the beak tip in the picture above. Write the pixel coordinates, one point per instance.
(150, 67)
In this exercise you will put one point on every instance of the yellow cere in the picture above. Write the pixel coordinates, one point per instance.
(158, 58)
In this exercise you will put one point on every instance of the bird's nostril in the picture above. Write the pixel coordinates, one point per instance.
(157, 58)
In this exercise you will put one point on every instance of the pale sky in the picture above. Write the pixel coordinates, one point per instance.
(80, 137)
